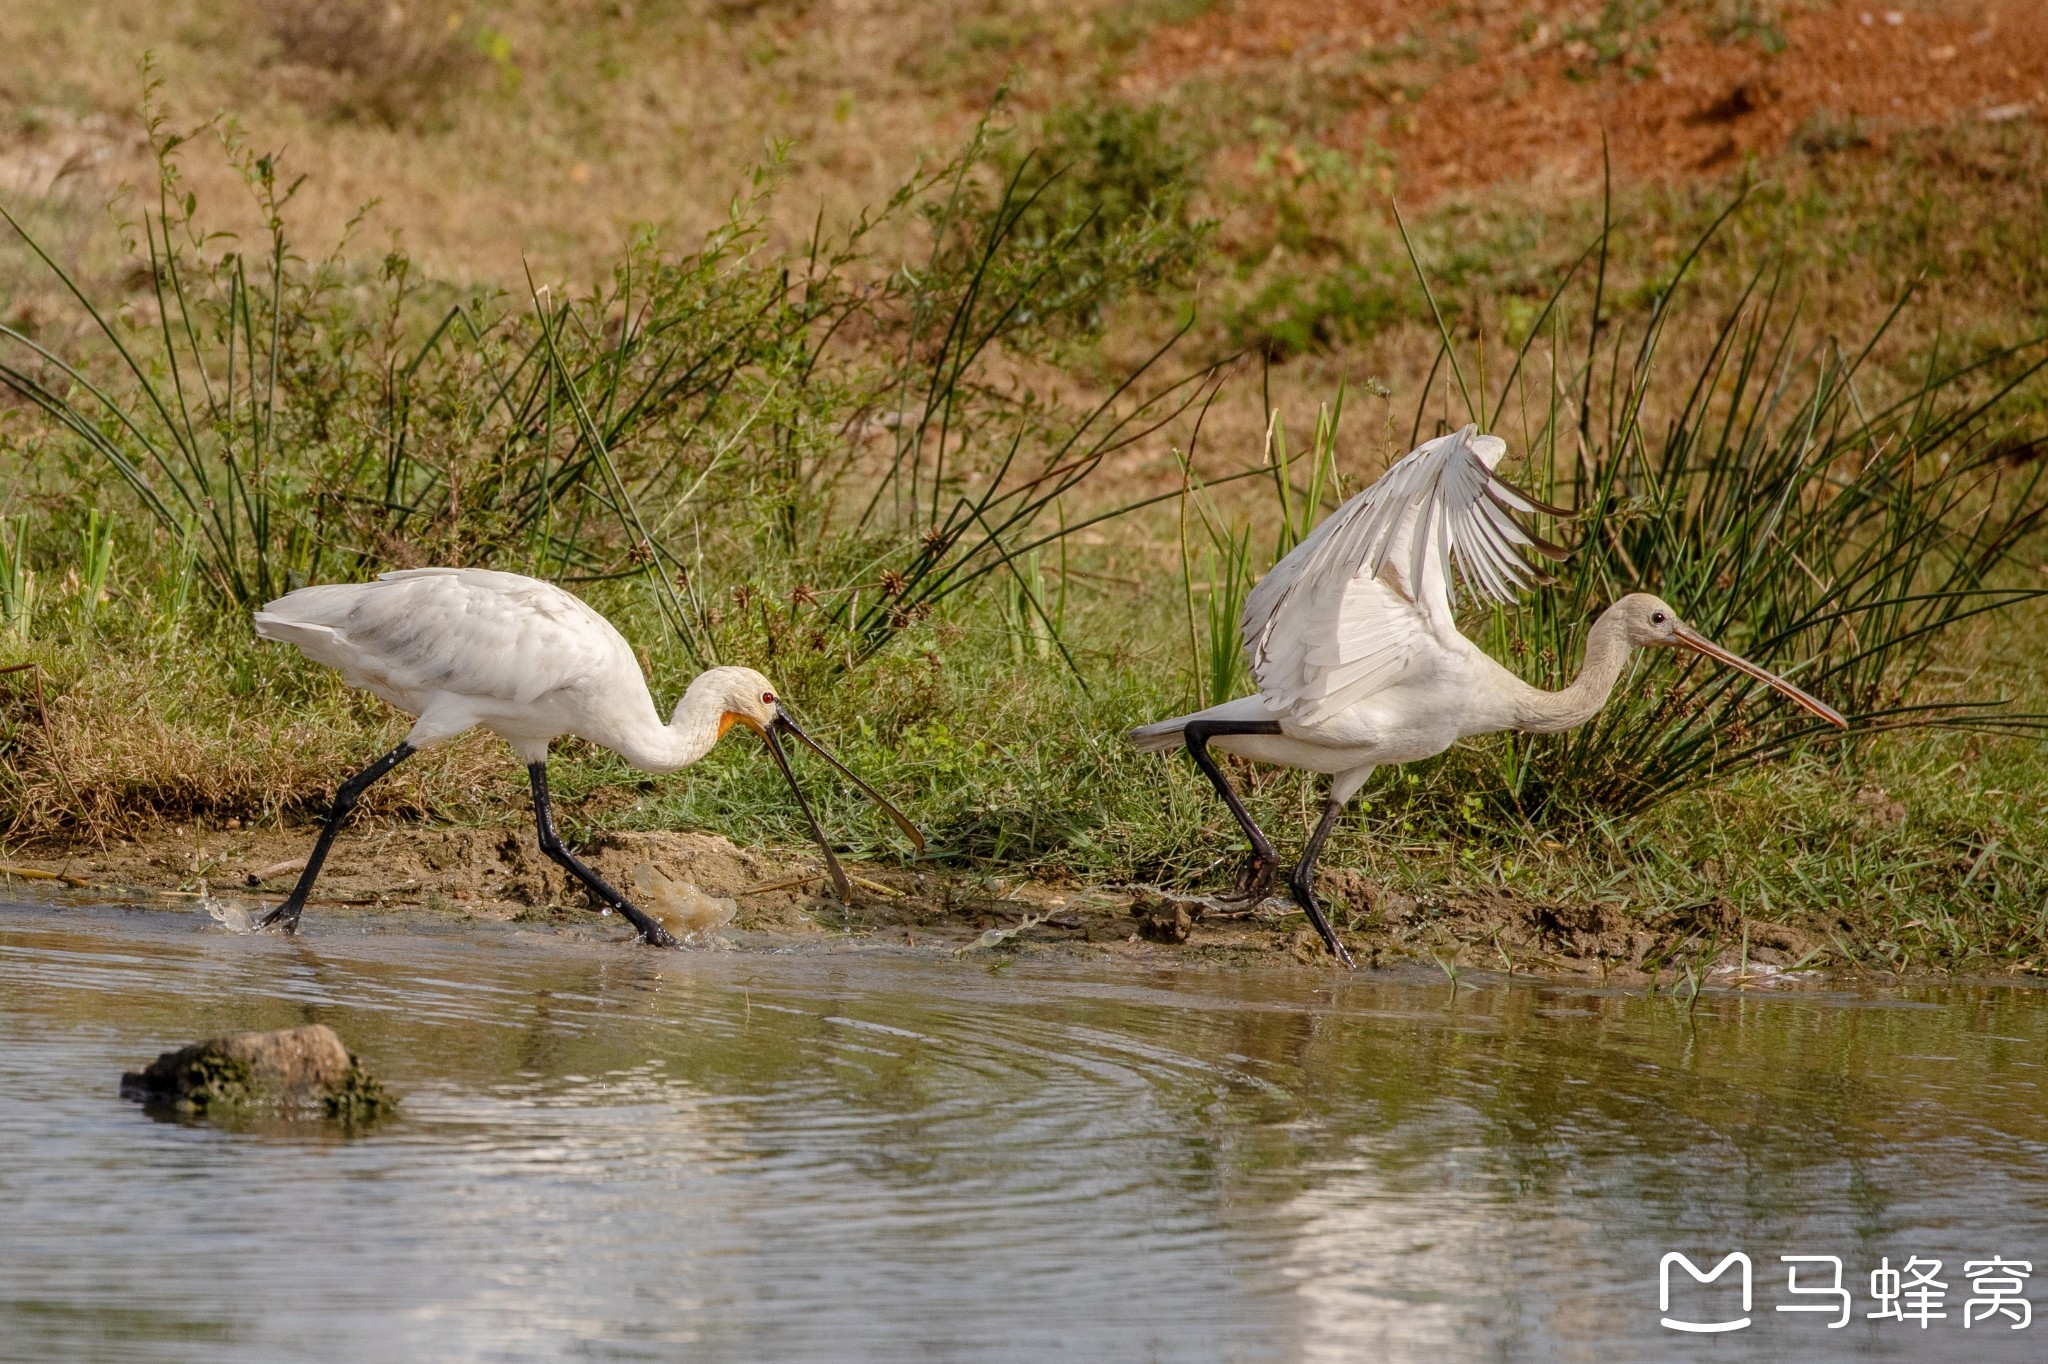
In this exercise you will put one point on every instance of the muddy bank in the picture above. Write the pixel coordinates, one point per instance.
(500, 875)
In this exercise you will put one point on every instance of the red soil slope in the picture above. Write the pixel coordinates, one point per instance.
(1491, 90)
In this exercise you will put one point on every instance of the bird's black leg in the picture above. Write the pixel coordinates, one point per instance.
(1302, 880)
(551, 844)
(1256, 880)
(351, 791)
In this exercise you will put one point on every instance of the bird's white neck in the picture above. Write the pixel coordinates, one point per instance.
(1607, 650)
(695, 728)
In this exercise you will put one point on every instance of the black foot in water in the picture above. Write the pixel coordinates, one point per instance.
(346, 795)
(1305, 896)
(651, 933)
(657, 936)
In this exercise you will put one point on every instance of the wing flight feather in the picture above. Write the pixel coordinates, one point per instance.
(1342, 616)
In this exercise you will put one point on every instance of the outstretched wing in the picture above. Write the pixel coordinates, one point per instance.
(1344, 614)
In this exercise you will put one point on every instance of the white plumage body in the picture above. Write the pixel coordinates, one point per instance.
(462, 647)
(1406, 721)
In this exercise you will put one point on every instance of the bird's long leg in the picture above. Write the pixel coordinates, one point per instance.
(551, 844)
(345, 800)
(1302, 880)
(1257, 879)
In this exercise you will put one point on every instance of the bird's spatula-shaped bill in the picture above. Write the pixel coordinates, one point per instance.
(784, 723)
(1699, 643)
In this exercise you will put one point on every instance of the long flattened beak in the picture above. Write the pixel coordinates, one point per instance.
(782, 723)
(1699, 643)
(896, 816)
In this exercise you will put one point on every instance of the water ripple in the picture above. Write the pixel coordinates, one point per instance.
(826, 1156)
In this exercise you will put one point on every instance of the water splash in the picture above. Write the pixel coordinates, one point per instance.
(235, 918)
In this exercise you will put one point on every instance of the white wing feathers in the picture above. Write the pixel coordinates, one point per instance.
(1341, 643)
(1344, 614)
(463, 632)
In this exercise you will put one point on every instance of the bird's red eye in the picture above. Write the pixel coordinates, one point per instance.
(767, 698)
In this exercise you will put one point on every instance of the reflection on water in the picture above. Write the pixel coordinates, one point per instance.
(615, 1153)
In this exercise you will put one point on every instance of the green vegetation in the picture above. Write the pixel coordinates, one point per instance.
(360, 1100)
(211, 1083)
(981, 479)
(1828, 529)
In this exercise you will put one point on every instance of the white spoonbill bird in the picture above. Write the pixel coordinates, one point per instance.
(462, 647)
(1359, 660)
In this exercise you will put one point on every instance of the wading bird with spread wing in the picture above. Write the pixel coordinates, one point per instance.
(461, 647)
(1358, 657)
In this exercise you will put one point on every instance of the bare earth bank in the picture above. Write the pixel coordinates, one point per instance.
(500, 875)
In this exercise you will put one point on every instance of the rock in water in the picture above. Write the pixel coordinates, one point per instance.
(293, 1070)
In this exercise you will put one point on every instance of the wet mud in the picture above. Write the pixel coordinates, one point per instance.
(500, 875)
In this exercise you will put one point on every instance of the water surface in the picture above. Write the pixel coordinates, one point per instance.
(612, 1153)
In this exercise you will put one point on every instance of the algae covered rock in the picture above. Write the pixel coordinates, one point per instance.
(298, 1071)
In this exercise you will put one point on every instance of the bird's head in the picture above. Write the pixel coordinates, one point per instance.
(741, 696)
(1649, 622)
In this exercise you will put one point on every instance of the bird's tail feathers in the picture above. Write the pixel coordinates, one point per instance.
(317, 641)
(312, 618)
(275, 627)
(325, 604)
(1160, 736)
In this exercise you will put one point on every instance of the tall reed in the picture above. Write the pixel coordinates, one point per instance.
(705, 425)
(1780, 498)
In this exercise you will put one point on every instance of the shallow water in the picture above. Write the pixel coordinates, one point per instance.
(613, 1153)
